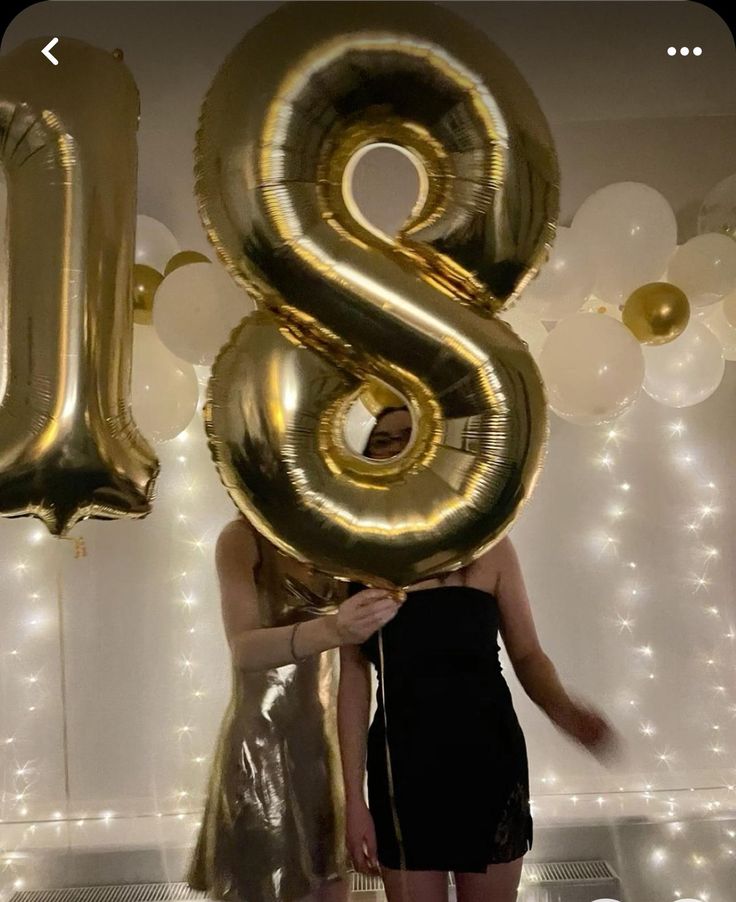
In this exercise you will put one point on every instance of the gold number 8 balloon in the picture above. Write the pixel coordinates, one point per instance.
(69, 448)
(340, 303)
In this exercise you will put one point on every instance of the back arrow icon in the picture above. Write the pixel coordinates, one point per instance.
(47, 51)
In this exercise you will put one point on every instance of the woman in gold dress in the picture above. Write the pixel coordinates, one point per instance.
(274, 824)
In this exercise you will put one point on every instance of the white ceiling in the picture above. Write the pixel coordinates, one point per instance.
(608, 60)
(586, 61)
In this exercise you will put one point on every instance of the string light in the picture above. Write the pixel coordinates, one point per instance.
(630, 587)
(611, 547)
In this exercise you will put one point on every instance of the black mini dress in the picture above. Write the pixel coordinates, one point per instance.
(458, 754)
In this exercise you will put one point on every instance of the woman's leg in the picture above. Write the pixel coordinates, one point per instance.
(499, 883)
(334, 891)
(414, 886)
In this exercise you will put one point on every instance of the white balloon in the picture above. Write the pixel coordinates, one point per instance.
(3, 283)
(629, 232)
(592, 367)
(3, 242)
(687, 370)
(155, 245)
(196, 308)
(729, 308)
(563, 282)
(718, 210)
(704, 268)
(722, 328)
(164, 389)
(527, 327)
(603, 308)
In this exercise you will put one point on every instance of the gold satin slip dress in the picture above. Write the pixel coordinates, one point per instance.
(274, 822)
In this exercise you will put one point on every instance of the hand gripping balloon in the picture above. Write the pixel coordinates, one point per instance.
(341, 303)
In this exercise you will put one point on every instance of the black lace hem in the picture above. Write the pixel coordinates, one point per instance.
(514, 834)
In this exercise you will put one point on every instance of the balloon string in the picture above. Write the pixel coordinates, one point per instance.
(80, 550)
(62, 666)
(394, 812)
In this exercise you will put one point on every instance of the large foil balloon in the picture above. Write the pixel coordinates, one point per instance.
(69, 448)
(306, 89)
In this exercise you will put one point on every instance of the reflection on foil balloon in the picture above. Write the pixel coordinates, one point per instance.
(377, 396)
(69, 448)
(304, 91)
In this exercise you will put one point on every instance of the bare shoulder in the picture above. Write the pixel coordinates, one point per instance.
(487, 570)
(237, 557)
(236, 543)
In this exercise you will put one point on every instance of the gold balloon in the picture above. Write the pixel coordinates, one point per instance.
(377, 397)
(656, 313)
(146, 280)
(69, 448)
(340, 303)
(184, 258)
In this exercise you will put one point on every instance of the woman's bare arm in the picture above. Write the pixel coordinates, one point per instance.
(499, 571)
(353, 714)
(253, 647)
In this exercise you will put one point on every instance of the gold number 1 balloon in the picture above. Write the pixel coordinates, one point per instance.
(340, 303)
(69, 448)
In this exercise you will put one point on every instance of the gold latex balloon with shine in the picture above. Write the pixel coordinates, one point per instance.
(184, 258)
(146, 280)
(341, 303)
(656, 313)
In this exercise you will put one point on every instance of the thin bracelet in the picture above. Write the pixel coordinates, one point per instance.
(294, 656)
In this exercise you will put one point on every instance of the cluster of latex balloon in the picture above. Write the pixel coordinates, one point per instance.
(196, 306)
(667, 313)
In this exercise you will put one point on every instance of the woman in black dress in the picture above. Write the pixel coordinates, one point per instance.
(458, 758)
